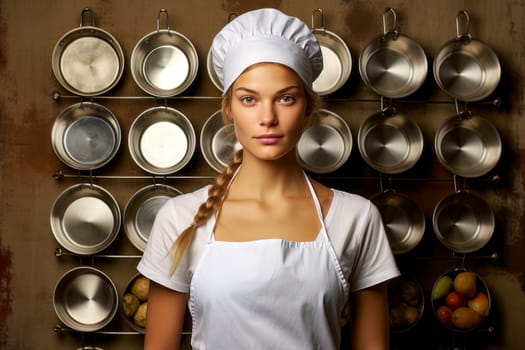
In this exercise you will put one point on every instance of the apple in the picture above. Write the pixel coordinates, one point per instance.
(480, 303)
(444, 315)
(455, 300)
(465, 283)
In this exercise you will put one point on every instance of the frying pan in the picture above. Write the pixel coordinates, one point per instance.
(218, 142)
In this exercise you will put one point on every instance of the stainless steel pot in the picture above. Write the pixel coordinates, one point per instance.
(218, 142)
(466, 68)
(403, 219)
(209, 62)
(141, 210)
(161, 140)
(393, 65)
(85, 299)
(88, 61)
(86, 136)
(164, 63)
(468, 145)
(390, 142)
(463, 222)
(85, 219)
(326, 144)
(337, 59)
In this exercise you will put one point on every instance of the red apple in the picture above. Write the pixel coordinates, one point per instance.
(455, 300)
(444, 315)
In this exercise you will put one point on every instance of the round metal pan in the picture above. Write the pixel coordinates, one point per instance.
(218, 142)
(164, 63)
(85, 299)
(211, 71)
(337, 59)
(390, 142)
(463, 222)
(465, 68)
(85, 219)
(393, 65)
(88, 61)
(468, 145)
(403, 219)
(161, 140)
(86, 136)
(326, 145)
(141, 209)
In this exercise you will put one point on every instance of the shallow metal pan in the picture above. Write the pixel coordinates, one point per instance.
(325, 145)
(86, 136)
(88, 61)
(85, 219)
(393, 65)
(390, 142)
(337, 59)
(141, 209)
(161, 140)
(164, 63)
(85, 299)
(218, 142)
(466, 68)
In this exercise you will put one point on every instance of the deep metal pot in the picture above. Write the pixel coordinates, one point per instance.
(393, 65)
(164, 63)
(88, 61)
(465, 68)
(218, 142)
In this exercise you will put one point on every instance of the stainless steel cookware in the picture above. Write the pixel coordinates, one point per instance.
(86, 136)
(463, 222)
(466, 68)
(218, 142)
(88, 61)
(141, 209)
(326, 144)
(161, 140)
(390, 142)
(85, 299)
(164, 62)
(468, 145)
(393, 65)
(85, 219)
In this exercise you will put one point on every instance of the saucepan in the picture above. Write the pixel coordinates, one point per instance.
(85, 299)
(87, 60)
(161, 140)
(209, 62)
(390, 142)
(393, 65)
(218, 142)
(86, 136)
(164, 63)
(466, 68)
(337, 58)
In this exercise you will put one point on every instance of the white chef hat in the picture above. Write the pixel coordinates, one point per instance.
(265, 35)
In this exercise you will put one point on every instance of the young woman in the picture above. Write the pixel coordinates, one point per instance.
(267, 258)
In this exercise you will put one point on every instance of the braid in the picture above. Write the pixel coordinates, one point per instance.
(206, 210)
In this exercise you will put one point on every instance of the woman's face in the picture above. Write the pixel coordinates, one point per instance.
(268, 106)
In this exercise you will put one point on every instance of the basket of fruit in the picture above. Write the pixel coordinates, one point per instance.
(406, 303)
(135, 302)
(460, 300)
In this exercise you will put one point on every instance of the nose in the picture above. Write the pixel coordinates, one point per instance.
(268, 115)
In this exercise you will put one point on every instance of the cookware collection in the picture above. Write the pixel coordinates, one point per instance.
(88, 61)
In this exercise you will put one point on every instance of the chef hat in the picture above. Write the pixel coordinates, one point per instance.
(265, 35)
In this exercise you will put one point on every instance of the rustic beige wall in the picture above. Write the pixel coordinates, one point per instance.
(29, 270)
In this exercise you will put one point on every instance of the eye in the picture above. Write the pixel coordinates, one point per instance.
(248, 100)
(287, 99)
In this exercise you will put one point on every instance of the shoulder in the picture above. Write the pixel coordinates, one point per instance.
(351, 204)
(183, 207)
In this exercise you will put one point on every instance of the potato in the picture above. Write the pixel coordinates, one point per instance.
(140, 316)
(130, 304)
(140, 288)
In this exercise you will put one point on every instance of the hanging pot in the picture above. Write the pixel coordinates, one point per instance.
(466, 68)
(463, 222)
(164, 63)
(86, 136)
(85, 219)
(85, 299)
(390, 142)
(393, 65)
(141, 210)
(161, 140)
(403, 219)
(468, 145)
(209, 62)
(88, 61)
(218, 142)
(326, 144)
(337, 60)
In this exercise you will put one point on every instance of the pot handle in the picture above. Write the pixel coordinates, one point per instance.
(393, 28)
(319, 13)
(163, 11)
(83, 12)
(465, 18)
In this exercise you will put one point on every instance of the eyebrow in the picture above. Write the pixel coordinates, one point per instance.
(288, 88)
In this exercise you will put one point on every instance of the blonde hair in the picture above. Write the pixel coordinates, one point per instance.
(218, 190)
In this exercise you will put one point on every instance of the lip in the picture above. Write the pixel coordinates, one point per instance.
(268, 139)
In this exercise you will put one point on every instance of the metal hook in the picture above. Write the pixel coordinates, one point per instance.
(167, 19)
(87, 9)
(465, 15)
(321, 16)
(393, 29)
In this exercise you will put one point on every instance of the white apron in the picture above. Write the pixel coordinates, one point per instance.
(268, 294)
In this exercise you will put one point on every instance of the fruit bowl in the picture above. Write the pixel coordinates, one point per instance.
(460, 300)
(135, 301)
(406, 303)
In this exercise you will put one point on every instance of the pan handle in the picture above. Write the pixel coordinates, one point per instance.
(319, 13)
(163, 11)
(392, 29)
(83, 12)
(465, 18)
